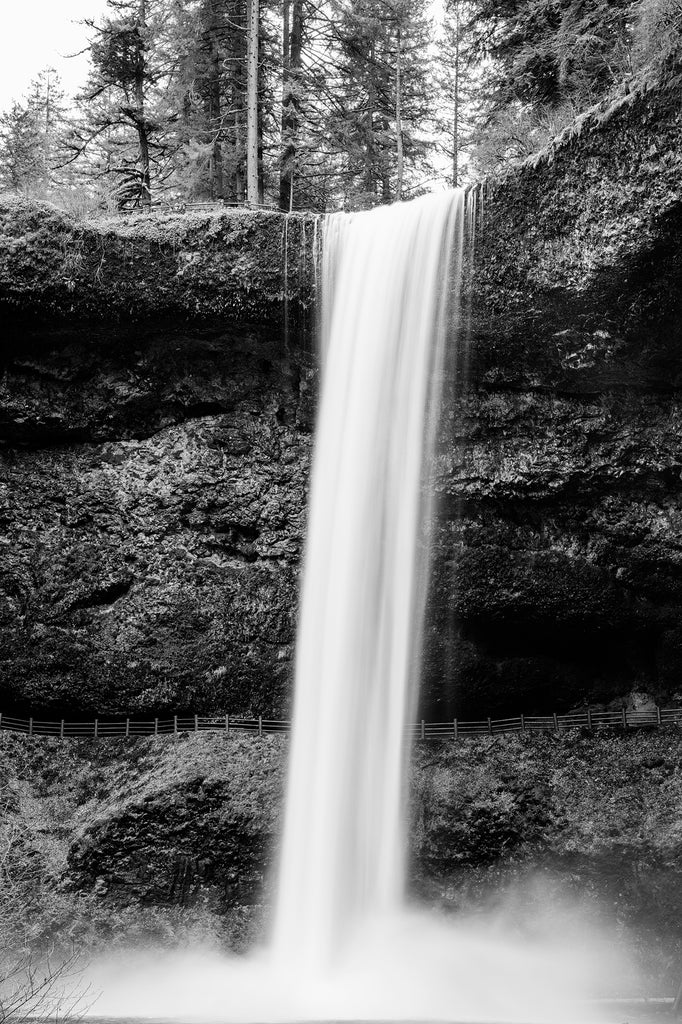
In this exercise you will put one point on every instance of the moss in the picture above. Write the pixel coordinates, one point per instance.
(224, 264)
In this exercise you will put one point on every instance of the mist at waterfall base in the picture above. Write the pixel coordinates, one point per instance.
(345, 945)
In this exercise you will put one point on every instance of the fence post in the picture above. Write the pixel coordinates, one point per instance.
(490, 727)
(455, 725)
(175, 725)
(422, 736)
(0, 720)
(556, 722)
(196, 723)
(227, 723)
(523, 723)
(658, 715)
(589, 718)
(156, 727)
(30, 726)
(127, 727)
(61, 729)
(260, 725)
(95, 728)
(625, 717)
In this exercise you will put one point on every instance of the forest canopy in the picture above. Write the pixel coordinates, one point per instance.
(322, 104)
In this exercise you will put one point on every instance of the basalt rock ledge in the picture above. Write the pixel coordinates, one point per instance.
(156, 407)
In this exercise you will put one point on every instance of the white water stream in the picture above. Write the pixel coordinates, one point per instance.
(367, 550)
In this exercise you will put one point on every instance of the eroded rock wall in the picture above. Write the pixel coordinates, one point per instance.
(558, 568)
(156, 408)
(153, 494)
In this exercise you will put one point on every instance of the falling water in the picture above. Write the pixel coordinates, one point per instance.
(386, 279)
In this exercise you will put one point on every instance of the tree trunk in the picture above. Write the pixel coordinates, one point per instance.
(237, 43)
(455, 120)
(252, 103)
(140, 120)
(46, 139)
(291, 54)
(214, 107)
(370, 169)
(399, 119)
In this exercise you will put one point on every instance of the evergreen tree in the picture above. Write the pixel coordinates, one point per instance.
(544, 62)
(127, 108)
(546, 52)
(211, 97)
(457, 90)
(32, 137)
(378, 102)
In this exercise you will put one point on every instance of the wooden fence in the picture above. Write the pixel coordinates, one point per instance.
(209, 206)
(591, 718)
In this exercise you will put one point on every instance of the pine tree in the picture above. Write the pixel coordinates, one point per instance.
(292, 67)
(456, 81)
(32, 137)
(545, 62)
(210, 88)
(128, 110)
(383, 97)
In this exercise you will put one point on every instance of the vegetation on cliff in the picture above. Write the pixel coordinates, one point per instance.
(221, 264)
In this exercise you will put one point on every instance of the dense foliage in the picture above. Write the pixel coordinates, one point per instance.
(547, 61)
(336, 103)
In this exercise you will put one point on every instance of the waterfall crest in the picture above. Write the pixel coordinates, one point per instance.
(386, 282)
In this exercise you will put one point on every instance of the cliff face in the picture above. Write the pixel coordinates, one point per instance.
(155, 428)
(156, 404)
(156, 407)
(119, 843)
(153, 495)
(561, 580)
(233, 265)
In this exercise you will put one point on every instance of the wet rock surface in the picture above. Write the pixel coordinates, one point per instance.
(245, 266)
(153, 494)
(557, 573)
(132, 842)
(155, 443)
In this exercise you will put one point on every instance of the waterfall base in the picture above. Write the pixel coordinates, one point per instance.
(412, 966)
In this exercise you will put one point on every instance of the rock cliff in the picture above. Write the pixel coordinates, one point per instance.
(559, 578)
(156, 407)
(127, 842)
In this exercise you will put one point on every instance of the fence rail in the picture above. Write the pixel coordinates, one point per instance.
(594, 719)
(211, 206)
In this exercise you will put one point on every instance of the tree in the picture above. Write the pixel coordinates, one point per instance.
(292, 54)
(35, 985)
(657, 36)
(40, 988)
(546, 52)
(32, 137)
(455, 97)
(252, 134)
(211, 98)
(544, 61)
(383, 95)
(127, 107)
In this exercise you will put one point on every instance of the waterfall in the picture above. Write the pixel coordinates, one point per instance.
(345, 945)
(386, 280)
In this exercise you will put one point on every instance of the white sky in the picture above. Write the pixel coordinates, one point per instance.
(35, 34)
